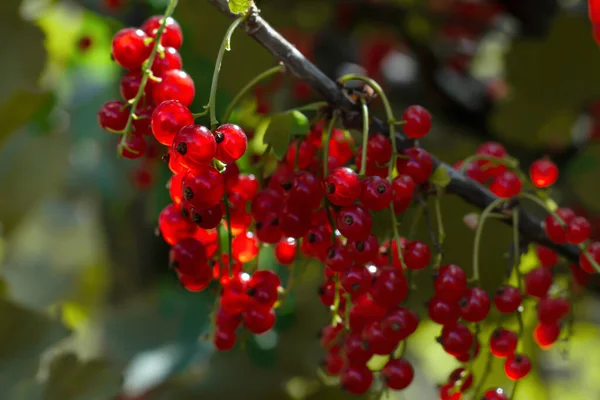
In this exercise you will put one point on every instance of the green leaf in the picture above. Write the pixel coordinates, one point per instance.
(282, 128)
(239, 6)
(440, 177)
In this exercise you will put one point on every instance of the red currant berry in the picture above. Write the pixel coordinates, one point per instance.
(188, 257)
(494, 394)
(174, 85)
(538, 282)
(333, 364)
(416, 255)
(418, 122)
(376, 193)
(267, 229)
(356, 280)
(244, 247)
(364, 311)
(203, 187)
(593, 250)
(342, 186)
(305, 191)
(397, 374)
(443, 312)
(129, 48)
(338, 258)
(554, 230)
(141, 126)
(578, 230)
(517, 366)
(449, 392)
(208, 218)
(341, 146)
(173, 226)
(506, 185)
(548, 258)
(113, 115)
(356, 379)
(132, 146)
(363, 251)
(263, 287)
(259, 318)
(171, 59)
(545, 335)
(461, 374)
(130, 85)
(400, 323)
(507, 299)
(172, 35)
(389, 287)
(305, 157)
(196, 145)
(168, 119)
(475, 306)
(354, 222)
(552, 310)
(503, 342)
(234, 299)
(227, 322)
(469, 355)
(231, 143)
(285, 251)
(265, 202)
(403, 187)
(418, 165)
(379, 150)
(330, 337)
(492, 149)
(450, 282)
(294, 223)
(355, 349)
(543, 173)
(224, 340)
(456, 339)
(376, 340)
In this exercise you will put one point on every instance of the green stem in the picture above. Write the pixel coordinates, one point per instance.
(440, 224)
(543, 204)
(517, 264)
(397, 235)
(514, 390)
(414, 224)
(229, 235)
(255, 81)
(326, 145)
(309, 107)
(225, 45)
(336, 302)
(484, 215)
(486, 372)
(508, 161)
(365, 138)
(147, 71)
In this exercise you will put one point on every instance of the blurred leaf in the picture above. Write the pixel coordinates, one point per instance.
(239, 6)
(22, 53)
(549, 86)
(582, 176)
(440, 177)
(282, 127)
(18, 109)
(24, 335)
(72, 379)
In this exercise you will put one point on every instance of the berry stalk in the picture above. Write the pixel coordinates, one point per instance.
(365, 137)
(145, 76)
(484, 215)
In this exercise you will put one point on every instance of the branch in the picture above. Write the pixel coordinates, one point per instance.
(470, 191)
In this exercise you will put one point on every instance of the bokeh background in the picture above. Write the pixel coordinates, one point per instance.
(88, 307)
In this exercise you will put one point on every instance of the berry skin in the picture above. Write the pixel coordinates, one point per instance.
(552, 310)
(397, 374)
(356, 379)
(340, 146)
(503, 342)
(129, 48)
(294, 223)
(538, 282)
(133, 146)
(363, 251)
(338, 258)
(259, 318)
(364, 311)
(188, 257)
(227, 322)
(494, 394)
(416, 255)
(506, 185)
(267, 229)
(376, 339)
(356, 280)
(263, 286)
(418, 122)
(475, 306)
(342, 186)
(329, 337)
(141, 126)
(285, 251)
(543, 173)
(173, 226)
(231, 143)
(113, 115)
(459, 375)
(208, 218)
(456, 339)
(594, 253)
(167, 120)
(517, 366)
(172, 35)
(234, 299)
(354, 222)
(400, 323)
(306, 156)
(175, 85)
(203, 187)
(448, 392)
(355, 350)
(306, 191)
(376, 193)
(403, 187)
(450, 282)
(130, 85)
(507, 299)
(224, 340)
(443, 312)
(265, 202)
(379, 150)
(389, 288)
(492, 149)
(418, 166)
(578, 230)
(171, 60)
(196, 145)
(545, 335)
(548, 258)
(554, 230)
(244, 247)
(333, 364)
